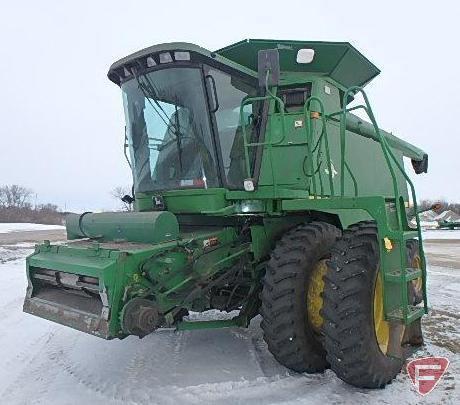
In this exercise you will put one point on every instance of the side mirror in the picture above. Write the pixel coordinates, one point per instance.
(420, 166)
(127, 199)
(268, 61)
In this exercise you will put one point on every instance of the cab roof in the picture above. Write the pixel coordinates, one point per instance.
(118, 70)
(338, 60)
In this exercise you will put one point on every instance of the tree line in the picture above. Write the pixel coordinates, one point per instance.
(16, 206)
(444, 205)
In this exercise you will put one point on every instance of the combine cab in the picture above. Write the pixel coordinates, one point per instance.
(256, 189)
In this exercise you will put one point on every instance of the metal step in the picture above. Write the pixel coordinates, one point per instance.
(411, 274)
(410, 235)
(413, 313)
(402, 236)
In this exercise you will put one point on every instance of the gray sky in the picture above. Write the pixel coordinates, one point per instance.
(62, 119)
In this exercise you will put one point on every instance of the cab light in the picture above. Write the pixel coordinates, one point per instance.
(165, 57)
(181, 55)
(151, 62)
(248, 185)
(126, 72)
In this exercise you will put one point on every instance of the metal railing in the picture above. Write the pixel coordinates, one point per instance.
(309, 115)
(269, 144)
(391, 160)
(321, 145)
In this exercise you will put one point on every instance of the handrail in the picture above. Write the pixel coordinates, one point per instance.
(384, 144)
(353, 178)
(246, 145)
(309, 133)
(367, 108)
(249, 100)
(389, 156)
(319, 162)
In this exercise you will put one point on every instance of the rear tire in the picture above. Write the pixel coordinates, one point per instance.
(414, 334)
(357, 337)
(288, 332)
(413, 260)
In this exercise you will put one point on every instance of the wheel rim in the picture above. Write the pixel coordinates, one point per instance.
(417, 264)
(314, 295)
(381, 326)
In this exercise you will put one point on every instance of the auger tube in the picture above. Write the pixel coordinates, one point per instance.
(364, 128)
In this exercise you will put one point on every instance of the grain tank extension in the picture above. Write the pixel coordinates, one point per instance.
(256, 190)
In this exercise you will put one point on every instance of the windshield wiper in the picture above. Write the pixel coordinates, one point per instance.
(151, 89)
(148, 96)
(148, 90)
(178, 139)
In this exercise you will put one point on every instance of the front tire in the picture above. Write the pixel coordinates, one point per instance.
(358, 339)
(291, 296)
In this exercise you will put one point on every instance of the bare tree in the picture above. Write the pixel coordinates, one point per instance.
(443, 205)
(118, 193)
(47, 207)
(15, 196)
(15, 206)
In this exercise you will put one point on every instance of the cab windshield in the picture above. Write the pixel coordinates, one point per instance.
(168, 130)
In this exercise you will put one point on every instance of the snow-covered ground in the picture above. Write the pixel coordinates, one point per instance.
(20, 227)
(431, 234)
(45, 363)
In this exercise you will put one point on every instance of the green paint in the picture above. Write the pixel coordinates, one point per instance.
(145, 227)
(338, 60)
(194, 247)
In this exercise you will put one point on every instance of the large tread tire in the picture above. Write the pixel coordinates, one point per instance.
(348, 310)
(414, 334)
(415, 291)
(287, 332)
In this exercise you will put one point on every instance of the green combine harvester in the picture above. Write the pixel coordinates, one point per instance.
(256, 190)
(451, 225)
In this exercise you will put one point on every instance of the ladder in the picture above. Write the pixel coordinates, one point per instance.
(396, 272)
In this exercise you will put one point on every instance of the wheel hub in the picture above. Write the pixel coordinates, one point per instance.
(139, 317)
(314, 295)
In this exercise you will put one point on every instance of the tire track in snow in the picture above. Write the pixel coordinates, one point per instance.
(27, 351)
(96, 384)
(132, 376)
(181, 338)
(57, 365)
(37, 368)
(244, 335)
(258, 350)
(7, 309)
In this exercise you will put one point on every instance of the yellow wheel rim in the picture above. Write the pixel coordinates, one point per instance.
(417, 264)
(382, 328)
(314, 298)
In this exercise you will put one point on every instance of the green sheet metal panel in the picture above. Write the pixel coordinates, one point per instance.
(339, 60)
(145, 227)
(363, 155)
